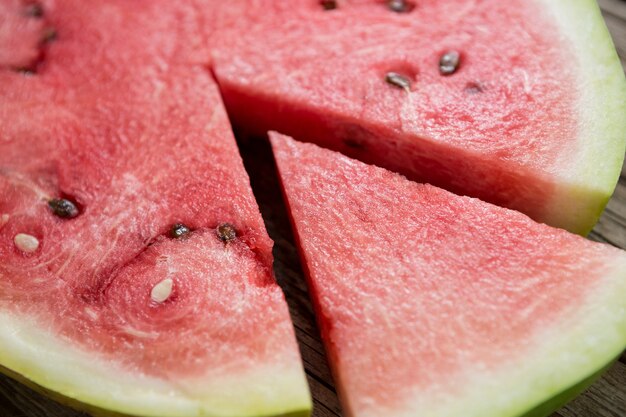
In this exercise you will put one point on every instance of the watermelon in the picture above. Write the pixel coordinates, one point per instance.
(519, 103)
(436, 305)
(136, 270)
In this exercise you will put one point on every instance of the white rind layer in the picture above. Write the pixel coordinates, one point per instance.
(590, 172)
(585, 341)
(34, 353)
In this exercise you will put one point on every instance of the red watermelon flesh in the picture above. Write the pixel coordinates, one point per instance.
(19, 20)
(530, 120)
(439, 305)
(106, 308)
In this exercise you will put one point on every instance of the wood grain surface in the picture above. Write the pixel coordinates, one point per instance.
(606, 398)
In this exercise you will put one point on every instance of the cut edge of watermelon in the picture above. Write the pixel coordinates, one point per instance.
(40, 360)
(593, 172)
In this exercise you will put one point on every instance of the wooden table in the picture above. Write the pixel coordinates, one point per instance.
(606, 398)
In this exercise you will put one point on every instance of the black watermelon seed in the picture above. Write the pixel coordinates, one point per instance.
(354, 144)
(25, 71)
(474, 88)
(398, 80)
(226, 232)
(49, 35)
(34, 10)
(449, 62)
(63, 208)
(328, 4)
(179, 231)
(400, 6)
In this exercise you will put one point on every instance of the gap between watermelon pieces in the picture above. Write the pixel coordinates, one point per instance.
(532, 119)
(122, 127)
(439, 305)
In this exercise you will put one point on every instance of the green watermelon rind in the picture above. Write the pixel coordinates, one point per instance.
(558, 401)
(591, 175)
(44, 362)
(103, 412)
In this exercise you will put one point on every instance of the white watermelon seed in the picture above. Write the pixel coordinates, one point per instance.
(26, 243)
(4, 219)
(162, 291)
(91, 313)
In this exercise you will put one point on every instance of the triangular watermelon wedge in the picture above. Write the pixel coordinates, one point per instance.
(135, 267)
(519, 103)
(432, 304)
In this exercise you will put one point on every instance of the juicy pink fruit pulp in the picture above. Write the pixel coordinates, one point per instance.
(413, 283)
(16, 21)
(135, 133)
(501, 128)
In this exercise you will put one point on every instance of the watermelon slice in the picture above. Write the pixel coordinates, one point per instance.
(438, 305)
(136, 270)
(519, 103)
